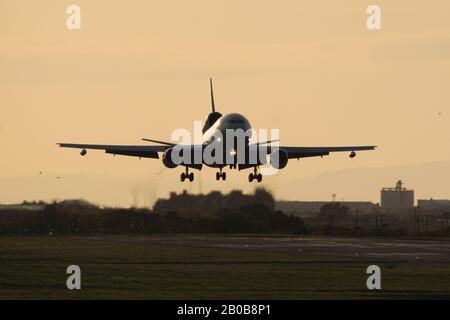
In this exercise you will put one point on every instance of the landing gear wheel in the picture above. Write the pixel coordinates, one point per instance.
(221, 175)
(259, 177)
(255, 175)
(186, 175)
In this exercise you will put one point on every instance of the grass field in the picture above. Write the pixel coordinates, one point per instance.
(35, 268)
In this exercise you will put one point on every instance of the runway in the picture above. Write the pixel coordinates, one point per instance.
(378, 248)
(188, 266)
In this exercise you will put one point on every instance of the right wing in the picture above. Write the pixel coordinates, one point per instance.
(304, 152)
(133, 151)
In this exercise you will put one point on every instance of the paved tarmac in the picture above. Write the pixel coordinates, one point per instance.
(377, 248)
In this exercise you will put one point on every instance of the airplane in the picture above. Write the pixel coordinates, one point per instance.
(214, 133)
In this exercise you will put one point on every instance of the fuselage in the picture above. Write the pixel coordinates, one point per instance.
(232, 123)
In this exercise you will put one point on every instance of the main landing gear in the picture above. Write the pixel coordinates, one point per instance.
(221, 175)
(255, 175)
(187, 175)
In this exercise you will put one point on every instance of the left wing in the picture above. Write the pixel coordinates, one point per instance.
(304, 152)
(133, 151)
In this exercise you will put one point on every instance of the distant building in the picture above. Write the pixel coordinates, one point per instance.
(397, 198)
(434, 204)
(313, 207)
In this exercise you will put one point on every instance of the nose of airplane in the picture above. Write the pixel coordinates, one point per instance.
(235, 121)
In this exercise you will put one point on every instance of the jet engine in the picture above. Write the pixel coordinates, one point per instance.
(279, 159)
(167, 159)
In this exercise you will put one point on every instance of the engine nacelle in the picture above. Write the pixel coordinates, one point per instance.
(167, 159)
(279, 159)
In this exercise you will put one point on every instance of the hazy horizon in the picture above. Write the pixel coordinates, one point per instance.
(113, 190)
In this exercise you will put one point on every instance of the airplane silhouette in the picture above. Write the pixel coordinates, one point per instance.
(215, 138)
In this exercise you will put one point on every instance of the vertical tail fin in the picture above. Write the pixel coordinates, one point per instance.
(212, 95)
(214, 115)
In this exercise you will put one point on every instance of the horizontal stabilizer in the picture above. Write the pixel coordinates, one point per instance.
(158, 141)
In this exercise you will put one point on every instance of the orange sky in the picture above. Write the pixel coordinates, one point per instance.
(140, 69)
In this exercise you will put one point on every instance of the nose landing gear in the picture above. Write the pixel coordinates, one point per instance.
(255, 176)
(221, 175)
(187, 175)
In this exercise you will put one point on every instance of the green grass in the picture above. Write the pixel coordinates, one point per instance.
(35, 268)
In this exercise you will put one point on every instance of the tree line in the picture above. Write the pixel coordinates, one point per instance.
(214, 212)
(211, 213)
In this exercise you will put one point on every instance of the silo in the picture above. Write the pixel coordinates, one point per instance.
(397, 198)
